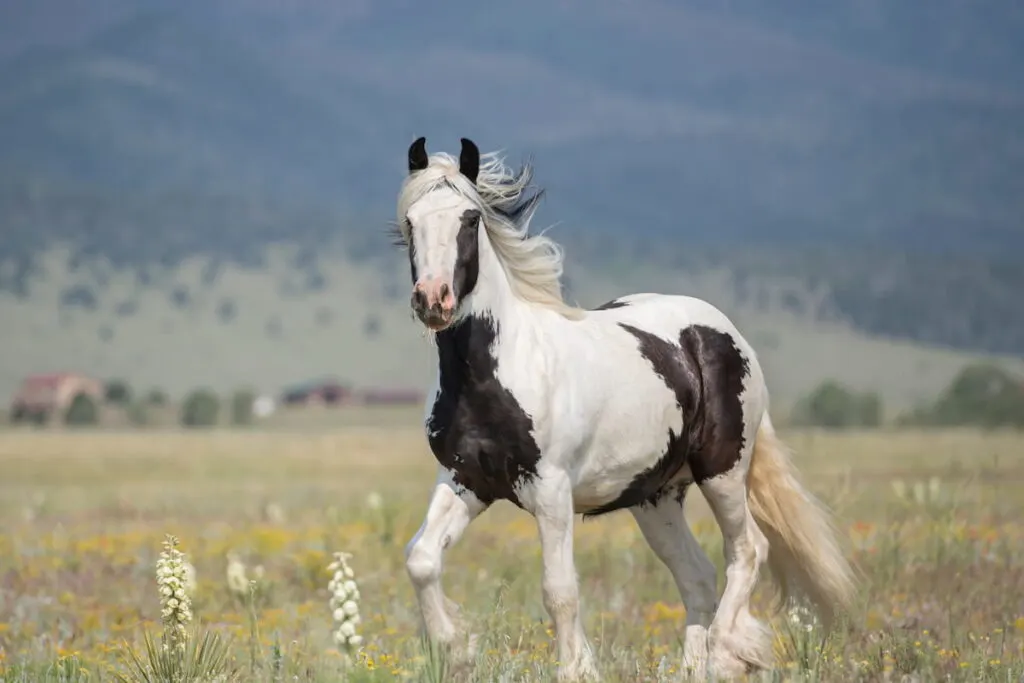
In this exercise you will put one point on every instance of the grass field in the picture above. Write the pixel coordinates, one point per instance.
(935, 523)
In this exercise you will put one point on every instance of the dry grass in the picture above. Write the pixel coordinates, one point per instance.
(85, 513)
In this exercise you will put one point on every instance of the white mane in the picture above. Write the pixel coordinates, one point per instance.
(533, 263)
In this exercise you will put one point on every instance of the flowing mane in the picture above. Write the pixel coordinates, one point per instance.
(533, 263)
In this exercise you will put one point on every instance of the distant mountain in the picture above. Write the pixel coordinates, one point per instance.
(868, 154)
(881, 122)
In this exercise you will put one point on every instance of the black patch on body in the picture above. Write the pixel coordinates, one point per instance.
(706, 371)
(467, 259)
(477, 429)
(614, 303)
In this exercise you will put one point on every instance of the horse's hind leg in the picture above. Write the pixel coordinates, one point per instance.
(739, 642)
(666, 531)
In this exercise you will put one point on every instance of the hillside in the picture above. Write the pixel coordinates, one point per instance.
(193, 194)
(291, 316)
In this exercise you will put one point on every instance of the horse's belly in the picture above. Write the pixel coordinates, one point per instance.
(602, 478)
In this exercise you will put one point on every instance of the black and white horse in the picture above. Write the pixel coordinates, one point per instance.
(562, 410)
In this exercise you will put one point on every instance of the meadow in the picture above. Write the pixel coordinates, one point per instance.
(934, 522)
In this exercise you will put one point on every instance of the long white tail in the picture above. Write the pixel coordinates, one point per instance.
(804, 552)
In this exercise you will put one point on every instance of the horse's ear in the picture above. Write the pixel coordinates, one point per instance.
(469, 160)
(418, 155)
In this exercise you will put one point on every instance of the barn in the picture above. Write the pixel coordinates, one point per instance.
(43, 395)
(317, 392)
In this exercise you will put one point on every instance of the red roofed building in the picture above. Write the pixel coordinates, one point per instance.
(46, 394)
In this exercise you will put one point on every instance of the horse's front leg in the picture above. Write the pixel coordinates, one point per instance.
(451, 510)
(553, 509)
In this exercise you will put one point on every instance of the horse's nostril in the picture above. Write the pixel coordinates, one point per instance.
(444, 290)
(419, 299)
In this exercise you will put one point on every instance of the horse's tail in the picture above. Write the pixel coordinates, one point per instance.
(804, 552)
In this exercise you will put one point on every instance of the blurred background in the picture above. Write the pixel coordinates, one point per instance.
(194, 195)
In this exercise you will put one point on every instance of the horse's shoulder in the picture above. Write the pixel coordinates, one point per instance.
(477, 427)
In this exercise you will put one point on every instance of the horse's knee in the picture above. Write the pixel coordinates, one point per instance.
(559, 594)
(422, 563)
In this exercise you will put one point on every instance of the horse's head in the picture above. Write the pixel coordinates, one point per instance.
(441, 229)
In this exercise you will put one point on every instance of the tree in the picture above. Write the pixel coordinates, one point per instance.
(981, 395)
(834, 406)
(870, 410)
(200, 409)
(241, 407)
(156, 397)
(82, 411)
(117, 391)
(137, 413)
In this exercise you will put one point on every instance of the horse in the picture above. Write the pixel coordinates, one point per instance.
(562, 410)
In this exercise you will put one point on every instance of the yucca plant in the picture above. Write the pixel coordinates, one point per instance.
(180, 656)
(204, 659)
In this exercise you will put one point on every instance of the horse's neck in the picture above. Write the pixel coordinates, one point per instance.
(492, 297)
(493, 312)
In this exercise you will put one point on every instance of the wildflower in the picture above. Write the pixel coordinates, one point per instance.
(344, 602)
(374, 501)
(176, 603)
(920, 494)
(274, 513)
(190, 578)
(238, 583)
(802, 618)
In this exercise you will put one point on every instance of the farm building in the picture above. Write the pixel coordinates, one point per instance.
(333, 393)
(46, 394)
(377, 397)
(317, 392)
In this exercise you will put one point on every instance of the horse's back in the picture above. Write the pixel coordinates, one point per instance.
(684, 416)
(669, 314)
(687, 320)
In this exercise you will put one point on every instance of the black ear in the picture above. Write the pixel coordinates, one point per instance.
(418, 155)
(469, 160)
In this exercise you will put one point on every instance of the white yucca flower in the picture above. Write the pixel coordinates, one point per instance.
(344, 603)
(238, 582)
(190, 578)
(802, 618)
(175, 599)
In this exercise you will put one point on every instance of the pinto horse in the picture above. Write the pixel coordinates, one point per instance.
(562, 410)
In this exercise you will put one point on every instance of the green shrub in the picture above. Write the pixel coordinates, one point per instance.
(156, 397)
(27, 415)
(137, 413)
(117, 391)
(200, 409)
(834, 406)
(241, 407)
(82, 411)
(981, 395)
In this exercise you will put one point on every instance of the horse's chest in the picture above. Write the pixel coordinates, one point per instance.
(483, 436)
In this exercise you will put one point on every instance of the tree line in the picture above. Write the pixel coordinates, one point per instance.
(200, 408)
(980, 395)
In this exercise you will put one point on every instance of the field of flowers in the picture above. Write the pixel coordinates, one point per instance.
(291, 562)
